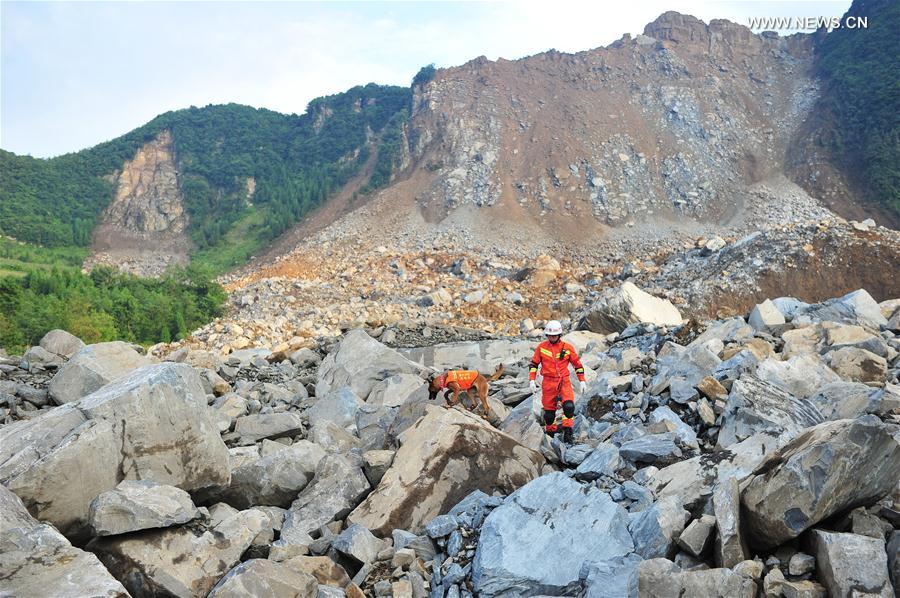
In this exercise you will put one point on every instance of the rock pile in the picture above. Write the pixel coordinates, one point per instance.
(754, 455)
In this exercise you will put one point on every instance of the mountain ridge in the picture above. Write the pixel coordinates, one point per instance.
(667, 129)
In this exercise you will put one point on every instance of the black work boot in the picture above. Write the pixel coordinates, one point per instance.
(568, 435)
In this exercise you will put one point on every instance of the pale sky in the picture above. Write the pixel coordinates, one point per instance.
(74, 74)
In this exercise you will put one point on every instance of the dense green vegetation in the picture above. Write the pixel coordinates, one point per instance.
(16, 258)
(861, 68)
(105, 305)
(425, 74)
(295, 161)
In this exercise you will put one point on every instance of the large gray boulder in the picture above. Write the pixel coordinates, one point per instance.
(656, 530)
(150, 425)
(858, 365)
(396, 390)
(276, 479)
(693, 480)
(360, 362)
(338, 406)
(829, 468)
(373, 426)
(851, 565)
(857, 308)
(358, 543)
(522, 425)
(261, 578)
(179, 561)
(650, 448)
(535, 543)
(765, 316)
(92, 367)
(627, 305)
(442, 458)
(800, 375)
(681, 369)
(339, 485)
(61, 343)
(36, 560)
(848, 400)
(612, 578)
(140, 504)
(602, 461)
(755, 406)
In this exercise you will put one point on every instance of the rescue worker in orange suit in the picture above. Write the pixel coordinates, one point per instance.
(553, 357)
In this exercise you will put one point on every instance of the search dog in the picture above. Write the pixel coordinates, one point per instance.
(457, 382)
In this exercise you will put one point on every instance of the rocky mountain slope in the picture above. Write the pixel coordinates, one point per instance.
(229, 178)
(673, 130)
(751, 455)
(674, 127)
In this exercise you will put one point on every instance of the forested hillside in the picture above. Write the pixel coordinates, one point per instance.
(861, 70)
(295, 161)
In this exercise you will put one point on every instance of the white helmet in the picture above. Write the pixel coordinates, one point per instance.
(553, 327)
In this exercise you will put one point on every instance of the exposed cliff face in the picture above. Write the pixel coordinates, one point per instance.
(143, 229)
(675, 123)
(148, 199)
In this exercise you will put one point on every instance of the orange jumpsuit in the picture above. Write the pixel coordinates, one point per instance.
(554, 360)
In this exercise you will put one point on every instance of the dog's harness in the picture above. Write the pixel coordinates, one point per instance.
(463, 378)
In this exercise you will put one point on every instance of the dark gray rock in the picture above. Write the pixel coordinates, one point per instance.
(829, 468)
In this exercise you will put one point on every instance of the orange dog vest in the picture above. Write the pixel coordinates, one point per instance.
(464, 378)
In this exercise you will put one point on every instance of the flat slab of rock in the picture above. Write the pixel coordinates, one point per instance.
(602, 461)
(552, 515)
(827, 469)
(37, 560)
(140, 504)
(851, 565)
(262, 578)
(629, 305)
(153, 424)
(443, 457)
(396, 390)
(92, 367)
(179, 561)
(253, 428)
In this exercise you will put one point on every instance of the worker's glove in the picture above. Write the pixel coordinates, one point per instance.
(582, 387)
(533, 386)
